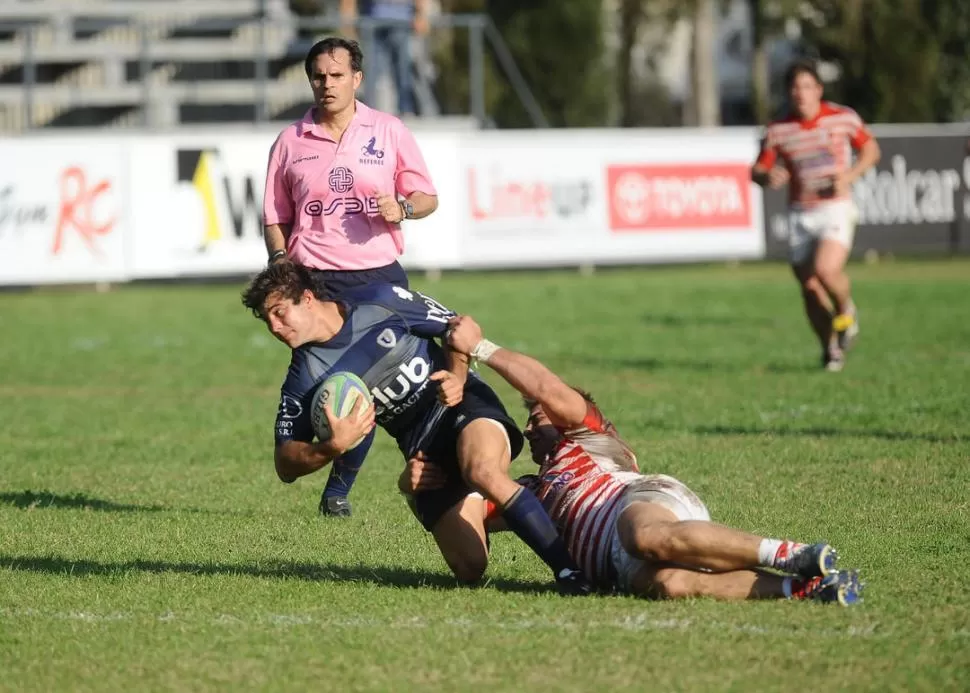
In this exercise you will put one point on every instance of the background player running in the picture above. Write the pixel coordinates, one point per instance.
(810, 150)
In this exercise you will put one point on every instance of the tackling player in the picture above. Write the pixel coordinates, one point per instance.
(385, 335)
(810, 151)
(647, 535)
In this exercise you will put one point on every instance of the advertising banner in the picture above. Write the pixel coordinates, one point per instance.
(196, 204)
(602, 197)
(62, 212)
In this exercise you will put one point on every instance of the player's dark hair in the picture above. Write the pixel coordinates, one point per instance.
(801, 67)
(287, 279)
(329, 46)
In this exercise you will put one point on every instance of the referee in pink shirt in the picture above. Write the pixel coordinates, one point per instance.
(338, 185)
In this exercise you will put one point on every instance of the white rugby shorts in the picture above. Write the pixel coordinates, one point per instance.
(653, 488)
(834, 220)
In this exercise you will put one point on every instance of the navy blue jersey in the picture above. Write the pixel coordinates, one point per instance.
(388, 341)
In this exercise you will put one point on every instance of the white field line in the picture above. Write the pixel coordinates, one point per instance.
(632, 623)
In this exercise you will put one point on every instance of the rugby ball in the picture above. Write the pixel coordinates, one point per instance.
(342, 391)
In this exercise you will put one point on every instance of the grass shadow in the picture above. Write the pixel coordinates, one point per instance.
(696, 320)
(30, 500)
(27, 500)
(655, 365)
(826, 432)
(274, 570)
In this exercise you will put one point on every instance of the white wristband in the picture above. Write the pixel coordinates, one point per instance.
(484, 350)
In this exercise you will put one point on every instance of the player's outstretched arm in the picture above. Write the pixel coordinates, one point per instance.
(869, 156)
(564, 406)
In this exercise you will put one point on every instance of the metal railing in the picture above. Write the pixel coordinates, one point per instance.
(157, 67)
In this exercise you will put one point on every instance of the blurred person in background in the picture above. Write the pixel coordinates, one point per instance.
(338, 185)
(810, 150)
(393, 42)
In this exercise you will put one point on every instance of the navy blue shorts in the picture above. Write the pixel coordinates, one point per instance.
(336, 281)
(479, 402)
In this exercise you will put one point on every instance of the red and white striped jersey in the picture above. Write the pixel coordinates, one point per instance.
(814, 151)
(580, 487)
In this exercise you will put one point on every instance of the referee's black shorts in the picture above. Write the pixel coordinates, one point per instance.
(337, 281)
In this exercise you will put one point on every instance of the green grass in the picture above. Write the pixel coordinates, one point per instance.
(145, 543)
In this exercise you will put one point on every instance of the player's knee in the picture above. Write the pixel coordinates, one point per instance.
(824, 275)
(483, 475)
(811, 284)
(653, 542)
(828, 274)
(674, 583)
(468, 567)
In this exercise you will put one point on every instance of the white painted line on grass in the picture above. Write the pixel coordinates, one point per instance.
(634, 623)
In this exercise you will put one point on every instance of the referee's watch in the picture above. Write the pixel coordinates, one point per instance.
(408, 209)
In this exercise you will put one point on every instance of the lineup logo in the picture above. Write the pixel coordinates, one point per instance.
(228, 202)
(493, 196)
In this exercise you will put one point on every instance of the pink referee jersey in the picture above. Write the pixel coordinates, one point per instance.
(327, 191)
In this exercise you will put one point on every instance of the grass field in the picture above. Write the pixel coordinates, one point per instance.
(145, 543)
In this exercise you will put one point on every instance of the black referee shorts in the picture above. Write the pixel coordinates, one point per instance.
(337, 281)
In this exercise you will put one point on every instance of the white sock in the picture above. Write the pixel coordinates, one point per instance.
(767, 552)
(786, 587)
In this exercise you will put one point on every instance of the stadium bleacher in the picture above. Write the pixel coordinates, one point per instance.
(150, 63)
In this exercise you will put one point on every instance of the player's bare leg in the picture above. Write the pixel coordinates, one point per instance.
(668, 582)
(460, 535)
(830, 258)
(652, 532)
(484, 458)
(658, 581)
(818, 305)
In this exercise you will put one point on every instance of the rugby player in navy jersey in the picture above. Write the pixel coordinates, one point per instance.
(424, 397)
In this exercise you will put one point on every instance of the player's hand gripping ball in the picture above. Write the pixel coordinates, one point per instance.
(343, 392)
